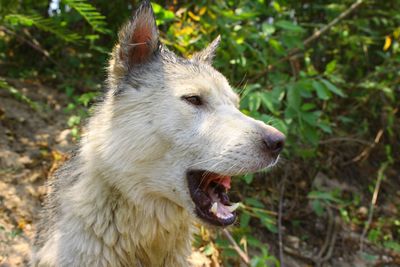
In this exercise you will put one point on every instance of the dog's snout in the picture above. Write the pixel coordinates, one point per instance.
(274, 142)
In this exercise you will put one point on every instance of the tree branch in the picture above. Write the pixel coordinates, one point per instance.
(280, 212)
(312, 38)
(241, 253)
(379, 179)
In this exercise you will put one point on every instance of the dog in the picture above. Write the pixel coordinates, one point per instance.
(158, 154)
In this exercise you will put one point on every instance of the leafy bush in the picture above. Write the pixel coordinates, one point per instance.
(328, 96)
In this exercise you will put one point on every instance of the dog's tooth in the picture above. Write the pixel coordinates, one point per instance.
(233, 207)
(224, 217)
(214, 208)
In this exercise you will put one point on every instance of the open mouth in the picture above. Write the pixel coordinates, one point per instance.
(209, 193)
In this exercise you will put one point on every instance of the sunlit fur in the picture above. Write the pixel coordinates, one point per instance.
(123, 199)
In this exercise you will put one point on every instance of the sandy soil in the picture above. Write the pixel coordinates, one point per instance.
(32, 143)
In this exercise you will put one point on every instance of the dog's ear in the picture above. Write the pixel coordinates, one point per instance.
(138, 39)
(208, 53)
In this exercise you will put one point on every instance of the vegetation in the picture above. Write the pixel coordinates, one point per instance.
(335, 95)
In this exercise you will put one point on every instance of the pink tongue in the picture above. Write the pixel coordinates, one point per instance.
(223, 180)
(226, 182)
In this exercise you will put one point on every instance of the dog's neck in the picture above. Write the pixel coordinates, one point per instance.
(147, 231)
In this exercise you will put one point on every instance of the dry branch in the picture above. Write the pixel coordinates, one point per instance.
(242, 254)
(311, 39)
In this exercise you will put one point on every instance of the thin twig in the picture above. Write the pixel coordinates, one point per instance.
(324, 29)
(364, 154)
(344, 139)
(318, 258)
(280, 242)
(242, 254)
(34, 45)
(332, 242)
(373, 202)
(303, 255)
(311, 39)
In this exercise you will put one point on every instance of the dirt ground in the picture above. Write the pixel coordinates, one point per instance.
(33, 144)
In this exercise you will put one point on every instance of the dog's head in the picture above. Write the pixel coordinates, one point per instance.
(176, 131)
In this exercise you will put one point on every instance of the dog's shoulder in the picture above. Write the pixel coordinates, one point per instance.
(65, 177)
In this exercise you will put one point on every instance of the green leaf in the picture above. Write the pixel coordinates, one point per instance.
(393, 245)
(248, 178)
(268, 221)
(310, 118)
(254, 202)
(208, 250)
(254, 241)
(44, 24)
(244, 219)
(289, 26)
(85, 98)
(308, 106)
(254, 101)
(293, 96)
(317, 207)
(322, 195)
(330, 67)
(369, 257)
(310, 134)
(325, 126)
(374, 234)
(322, 92)
(74, 120)
(90, 14)
(270, 226)
(290, 114)
(276, 45)
(331, 87)
(306, 153)
(291, 40)
(257, 262)
(267, 28)
(277, 123)
(268, 101)
(162, 15)
(19, 95)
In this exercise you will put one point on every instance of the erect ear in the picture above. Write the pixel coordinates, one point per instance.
(208, 53)
(138, 39)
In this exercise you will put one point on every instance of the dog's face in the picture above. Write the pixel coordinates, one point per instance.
(185, 123)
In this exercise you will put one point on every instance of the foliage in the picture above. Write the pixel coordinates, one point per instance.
(90, 14)
(329, 98)
(18, 95)
(41, 23)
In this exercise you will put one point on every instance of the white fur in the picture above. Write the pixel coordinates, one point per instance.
(130, 204)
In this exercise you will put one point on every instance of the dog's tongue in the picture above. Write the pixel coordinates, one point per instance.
(219, 179)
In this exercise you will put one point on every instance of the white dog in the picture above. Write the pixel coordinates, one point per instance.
(157, 155)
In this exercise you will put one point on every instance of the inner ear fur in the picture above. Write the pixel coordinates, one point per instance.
(138, 39)
(207, 54)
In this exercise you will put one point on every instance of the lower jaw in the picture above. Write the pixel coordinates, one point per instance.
(212, 220)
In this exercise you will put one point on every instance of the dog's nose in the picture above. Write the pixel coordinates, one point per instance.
(274, 142)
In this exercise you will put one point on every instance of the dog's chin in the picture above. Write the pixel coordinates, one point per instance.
(208, 191)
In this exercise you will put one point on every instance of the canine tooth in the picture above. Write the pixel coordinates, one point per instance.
(214, 208)
(224, 216)
(233, 207)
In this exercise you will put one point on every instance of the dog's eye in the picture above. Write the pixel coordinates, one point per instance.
(193, 99)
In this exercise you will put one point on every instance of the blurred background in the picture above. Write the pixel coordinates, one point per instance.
(326, 73)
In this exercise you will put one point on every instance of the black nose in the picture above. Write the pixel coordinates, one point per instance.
(274, 142)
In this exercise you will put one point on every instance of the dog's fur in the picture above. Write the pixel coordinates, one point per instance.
(123, 199)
